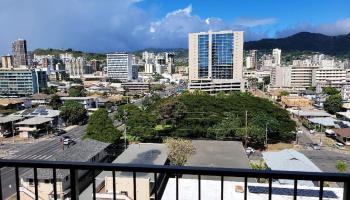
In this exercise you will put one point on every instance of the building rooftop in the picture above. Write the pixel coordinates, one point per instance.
(143, 153)
(35, 121)
(211, 189)
(77, 98)
(8, 101)
(290, 160)
(10, 118)
(40, 111)
(212, 153)
(310, 113)
(324, 121)
(82, 151)
(345, 132)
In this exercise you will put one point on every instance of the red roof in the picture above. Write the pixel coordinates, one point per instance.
(345, 132)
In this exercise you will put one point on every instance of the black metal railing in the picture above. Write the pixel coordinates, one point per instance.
(170, 171)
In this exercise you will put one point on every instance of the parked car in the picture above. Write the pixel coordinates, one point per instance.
(59, 132)
(249, 150)
(329, 133)
(312, 131)
(315, 146)
(339, 145)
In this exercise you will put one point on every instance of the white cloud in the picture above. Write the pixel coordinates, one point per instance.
(252, 22)
(114, 25)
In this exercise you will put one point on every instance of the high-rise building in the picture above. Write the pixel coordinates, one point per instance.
(19, 82)
(216, 61)
(6, 61)
(253, 59)
(75, 66)
(276, 56)
(119, 66)
(19, 51)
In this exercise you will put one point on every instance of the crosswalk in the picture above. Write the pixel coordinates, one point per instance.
(35, 157)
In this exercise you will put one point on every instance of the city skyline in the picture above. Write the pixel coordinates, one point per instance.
(137, 24)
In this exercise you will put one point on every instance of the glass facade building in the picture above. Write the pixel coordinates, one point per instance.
(221, 47)
(222, 56)
(21, 82)
(203, 56)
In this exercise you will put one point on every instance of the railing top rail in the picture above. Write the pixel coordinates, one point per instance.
(192, 170)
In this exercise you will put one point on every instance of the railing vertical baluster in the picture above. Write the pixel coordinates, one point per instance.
(270, 188)
(177, 187)
(74, 184)
(0, 184)
(134, 183)
(18, 194)
(54, 184)
(93, 185)
(222, 187)
(36, 183)
(295, 194)
(346, 192)
(155, 186)
(245, 188)
(199, 187)
(321, 190)
(114, 189)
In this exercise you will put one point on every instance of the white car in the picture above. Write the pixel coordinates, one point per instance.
(312, 131)
(249, 150)
(340, 146)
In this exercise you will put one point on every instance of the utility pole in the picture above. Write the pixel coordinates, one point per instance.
(246, 129)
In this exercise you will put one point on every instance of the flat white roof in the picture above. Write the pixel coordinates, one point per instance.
(9, 118)
(211, 189)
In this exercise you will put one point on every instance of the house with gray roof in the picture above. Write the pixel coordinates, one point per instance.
(83, 151)
(290, 160)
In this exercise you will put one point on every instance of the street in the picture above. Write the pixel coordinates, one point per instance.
(43, 150)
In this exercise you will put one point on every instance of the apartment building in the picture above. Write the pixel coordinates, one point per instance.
(19, 51)
(331, 76)
(215, 60)
(17, 82)
(6, 61)
(75, 66)
(119, 66)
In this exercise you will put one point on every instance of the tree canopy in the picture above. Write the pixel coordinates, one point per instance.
(73, 113)
(330, 90)
(100, 127)
(200, 115)
(77, 91)
(333, 104)
(55, 102)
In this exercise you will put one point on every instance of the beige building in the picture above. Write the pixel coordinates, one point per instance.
(6, 61)
(331, 76)
(208, 67)
(144, 153)
(75, 66)
(281, 76)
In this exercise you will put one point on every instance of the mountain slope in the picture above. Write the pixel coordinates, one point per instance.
(305, 41)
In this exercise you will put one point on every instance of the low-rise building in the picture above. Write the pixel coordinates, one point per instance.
(343, 135)
(88, 102)
(150, 154)
(34, 127)
(83, 151)
(296, 101)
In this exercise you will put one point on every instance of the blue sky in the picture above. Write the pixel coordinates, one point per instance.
(126, 25)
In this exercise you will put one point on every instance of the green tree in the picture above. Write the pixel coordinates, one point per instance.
(333, 104)
(55, 102)
(171, 111)
(179, 150)
(229, 127)
(157, 77)
(341, 166)
(100, 127)
(266, 80)
(157, 87)
(330, 91)
(77, 91)
(284, 93)
(73, 113)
